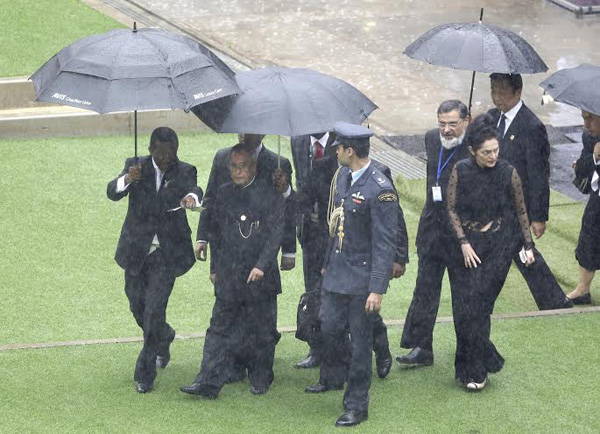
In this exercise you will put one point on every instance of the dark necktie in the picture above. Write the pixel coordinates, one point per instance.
(318, 151)
(349, 181)
(502, 125)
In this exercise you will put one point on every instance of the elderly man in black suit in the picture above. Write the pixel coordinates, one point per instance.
(155, 245)
(246, 222)
(274, 169)
(435, 241)
(524, 144)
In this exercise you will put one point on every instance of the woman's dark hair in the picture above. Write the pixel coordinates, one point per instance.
(481, 130)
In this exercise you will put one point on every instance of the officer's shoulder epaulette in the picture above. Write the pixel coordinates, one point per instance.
(378, 178)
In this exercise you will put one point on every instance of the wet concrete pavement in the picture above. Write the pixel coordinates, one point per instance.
(361, 41)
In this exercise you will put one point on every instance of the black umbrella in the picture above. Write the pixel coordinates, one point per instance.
(124, 70)
(476, 47)
(579, 87)
(286, 101)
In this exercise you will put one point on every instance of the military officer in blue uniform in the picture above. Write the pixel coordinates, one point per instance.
(358, 268)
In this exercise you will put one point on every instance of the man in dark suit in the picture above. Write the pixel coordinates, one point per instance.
(524, 144)
(246, 222)
(435, 241)
(274, 169)
(269, 166)
(358, 268)
(155, 245)
(312, 203)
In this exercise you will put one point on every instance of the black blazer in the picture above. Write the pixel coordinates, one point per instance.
(265, 166)
(247, 227)
(302, 158)
(525, 146)
(147, 215)
(434, 231)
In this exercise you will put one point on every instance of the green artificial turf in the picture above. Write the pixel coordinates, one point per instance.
(60, 282)
(547, 386)
(35, 30)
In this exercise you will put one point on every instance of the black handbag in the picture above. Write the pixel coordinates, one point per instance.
(584, 185)
(307, 324)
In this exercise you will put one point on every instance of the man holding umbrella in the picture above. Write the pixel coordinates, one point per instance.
(524, 144)
(155, 245)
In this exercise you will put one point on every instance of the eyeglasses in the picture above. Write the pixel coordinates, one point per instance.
(244, 167)
(451, 125)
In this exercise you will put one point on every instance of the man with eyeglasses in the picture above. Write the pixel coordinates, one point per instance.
(435, 240)
(246, 222)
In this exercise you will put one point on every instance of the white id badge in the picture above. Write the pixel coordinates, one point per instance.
(523, 255)
(437, 193)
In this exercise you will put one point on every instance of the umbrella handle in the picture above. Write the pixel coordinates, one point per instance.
(135, 134)
(279, 152)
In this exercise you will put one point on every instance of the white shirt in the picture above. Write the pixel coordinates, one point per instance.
(322, 141)
(595, 176)
(510, 116)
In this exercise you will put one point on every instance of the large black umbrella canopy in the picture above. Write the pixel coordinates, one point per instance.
(476, 47)
(286, 101)
(579, 87)
(124, 70)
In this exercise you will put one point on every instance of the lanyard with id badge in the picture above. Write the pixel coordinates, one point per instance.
(436, 190)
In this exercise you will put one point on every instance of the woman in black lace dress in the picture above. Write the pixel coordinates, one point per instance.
(488, 214)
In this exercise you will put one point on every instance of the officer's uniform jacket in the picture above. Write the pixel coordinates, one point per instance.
(364, 262)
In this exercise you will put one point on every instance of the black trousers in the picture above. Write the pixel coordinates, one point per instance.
(314, 247)
(148, 293)
(420, 319)
(544, 288)
(340, 312)
(474, 292)
(242, 334)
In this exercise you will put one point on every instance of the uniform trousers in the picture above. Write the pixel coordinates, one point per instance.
(313, 255)
(148, 292)
(340, 313)
(242, 334)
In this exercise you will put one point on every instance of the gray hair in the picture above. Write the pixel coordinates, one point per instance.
(451, 105)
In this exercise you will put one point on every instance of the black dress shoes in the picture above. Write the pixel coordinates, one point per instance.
(351, 418)
(311, 361)
(209, 392)
(383, 362)
(259, 390)
(320, 388)
(582, 299)
(143, 387)
(417, 357)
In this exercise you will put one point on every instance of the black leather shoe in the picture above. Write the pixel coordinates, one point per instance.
(383, 362)
(204, 390)
(259, 390)
(582, 299)
(417, 357)
(320, 388)
(311, 361)
(351, 418)
(143, 387)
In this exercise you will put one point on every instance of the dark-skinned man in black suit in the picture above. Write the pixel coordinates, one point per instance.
(155, 245)
(435, 241)
(524, 144)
